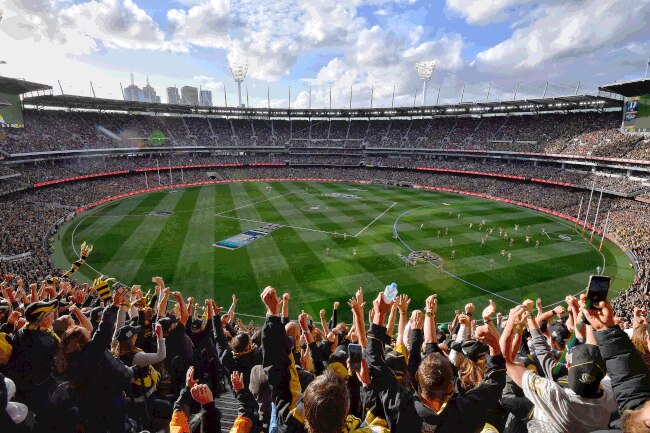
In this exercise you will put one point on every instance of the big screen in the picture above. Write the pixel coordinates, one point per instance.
(636, 114)
(11, 113)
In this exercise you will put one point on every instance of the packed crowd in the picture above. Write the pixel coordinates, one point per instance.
(591, 133)
(50, 170)
(34, 212)
(102, 359)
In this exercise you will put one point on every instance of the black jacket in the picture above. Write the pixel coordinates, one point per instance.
(31, 362)
(406, 413)
(229, 361)
(629, 375)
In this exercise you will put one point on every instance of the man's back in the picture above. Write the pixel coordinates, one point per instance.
(566, 410)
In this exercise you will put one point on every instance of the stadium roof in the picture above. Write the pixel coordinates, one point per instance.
(629, 88)
(564, 103)
(14, 86)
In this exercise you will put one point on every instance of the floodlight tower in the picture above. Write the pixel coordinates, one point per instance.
(425, 70)
(239, 71)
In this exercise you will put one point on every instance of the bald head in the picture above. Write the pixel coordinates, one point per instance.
(293, 330)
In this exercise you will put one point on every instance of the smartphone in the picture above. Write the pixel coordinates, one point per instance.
(355, 354)
(597, 290)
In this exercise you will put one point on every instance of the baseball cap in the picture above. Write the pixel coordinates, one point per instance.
(38, 310)
(396, 362)
(586, 369)
(126, 332)
(167, 321)
(471, 349)
(559, 332)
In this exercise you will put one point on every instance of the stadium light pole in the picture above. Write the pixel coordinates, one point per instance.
(425, 70)
(239, 71)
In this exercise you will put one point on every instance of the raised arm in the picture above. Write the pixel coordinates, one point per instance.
(356, 305)
(323, 322)
(510, 341)
(279, 361)
(162, 306)
(142, 359)
(403, 303)
(392, 318)
(83, 320)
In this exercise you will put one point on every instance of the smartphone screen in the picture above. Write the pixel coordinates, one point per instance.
(355, 354)
(597, 290)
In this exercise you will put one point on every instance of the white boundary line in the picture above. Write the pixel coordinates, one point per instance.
(253, 203)
(373, 221)
(281, 225)
(396, 231)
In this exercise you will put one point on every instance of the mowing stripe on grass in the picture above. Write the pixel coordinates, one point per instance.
(135, 236)
(162, 254)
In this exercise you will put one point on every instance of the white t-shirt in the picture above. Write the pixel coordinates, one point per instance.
(566, 411)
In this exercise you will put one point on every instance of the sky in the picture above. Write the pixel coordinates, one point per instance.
(369, 46)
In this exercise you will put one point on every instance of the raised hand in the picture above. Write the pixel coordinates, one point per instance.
(201, 394)
(159, 333)
(538, 304)
(431, 304)
(286, 297)
(363, 374)
(417, 319)
(601, 318)
(190, 382)
(380, 307)
(356, 303)
(234, 299)
(489, 311)
(559, 310)
(469, 309)
(489, 335)
(237, 381)
(270, 299)
(402, 302)
(517, 317)
(463, 319)
(158, 281)
(302, 320)
(322, 314)
(14, 316)
(336, 305)
(528, 305)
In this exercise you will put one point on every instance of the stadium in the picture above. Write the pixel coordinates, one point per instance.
(111, 207)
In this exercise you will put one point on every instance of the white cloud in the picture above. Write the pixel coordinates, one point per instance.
(117, 23)
(483, 11)
(568, 29)
(208, 82)
(205, 24)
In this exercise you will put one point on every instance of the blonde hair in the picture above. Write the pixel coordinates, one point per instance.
(471, 373)
(640, 338)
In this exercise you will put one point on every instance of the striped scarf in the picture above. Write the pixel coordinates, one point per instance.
(35, 327)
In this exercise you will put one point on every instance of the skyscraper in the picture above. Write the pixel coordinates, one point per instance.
(150, 94)
(206, 98)
(135, 93)
(189, 95)
(172, 95)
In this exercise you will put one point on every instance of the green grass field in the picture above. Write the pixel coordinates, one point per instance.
(133, 245)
